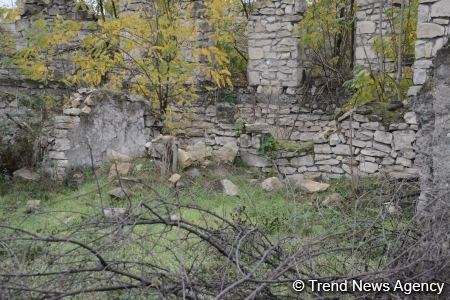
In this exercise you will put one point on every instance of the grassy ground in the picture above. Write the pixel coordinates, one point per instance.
(278, 214)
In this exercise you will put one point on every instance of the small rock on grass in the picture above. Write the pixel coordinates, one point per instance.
(310, 186)
(229, 188)
(118, 193)
(174, 178)
(114, 213)
(33, 205)
(272, 184)
(332, 201)
(123, 169)
(26, 174)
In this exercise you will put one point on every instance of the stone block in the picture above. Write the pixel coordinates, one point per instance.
(429, 30)
(322, 149)
(368, 167)
(307, 160)
(404, 139)
(383, 137)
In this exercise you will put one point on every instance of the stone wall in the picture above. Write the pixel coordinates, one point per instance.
(432, 34)
(377, 148)
(371, 22)
(102, 120)
(276, 62)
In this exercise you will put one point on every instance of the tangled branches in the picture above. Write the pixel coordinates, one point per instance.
(164, 247)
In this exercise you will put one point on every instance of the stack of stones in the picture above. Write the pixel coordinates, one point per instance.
(275, 63)
(432, 34)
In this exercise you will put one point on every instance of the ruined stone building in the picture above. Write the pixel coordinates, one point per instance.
(361, 143)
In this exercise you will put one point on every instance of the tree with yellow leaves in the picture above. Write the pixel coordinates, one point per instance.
(142, 52)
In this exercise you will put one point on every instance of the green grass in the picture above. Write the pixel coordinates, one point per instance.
(278, 214)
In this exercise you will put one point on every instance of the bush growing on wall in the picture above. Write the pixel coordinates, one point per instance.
(392, 77)
(326, 31)
(141, 51)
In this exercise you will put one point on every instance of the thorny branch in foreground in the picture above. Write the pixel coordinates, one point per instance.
(157, 250)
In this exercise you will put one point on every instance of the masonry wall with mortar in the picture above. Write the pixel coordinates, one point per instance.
(276, 61)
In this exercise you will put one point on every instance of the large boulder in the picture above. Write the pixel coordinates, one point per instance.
(272, 184)
(199, 152)
(184, 159)
(229, 188)
(311, 186)
(26, 174)
(227, 153)
(301, 183)
(120, 168)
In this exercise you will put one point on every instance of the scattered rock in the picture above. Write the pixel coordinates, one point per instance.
(184, 159)
(117, 156)
(392, 209)
(114, 213)
(26, 174)
(227, 153)
(229, 188)
(118, 193)
(193, 173)
(123, 169)
(199, 152)
(174, 178)
(310, 186)
(333, 200)
(272, 184)
(33, 205)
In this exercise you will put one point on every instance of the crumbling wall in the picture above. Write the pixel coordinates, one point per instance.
(276, 61)
(374, 148)
(100, 122)
(432, 34)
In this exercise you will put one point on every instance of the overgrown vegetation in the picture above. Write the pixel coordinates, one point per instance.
(327, 31)
(191, 240)
(390, 79)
